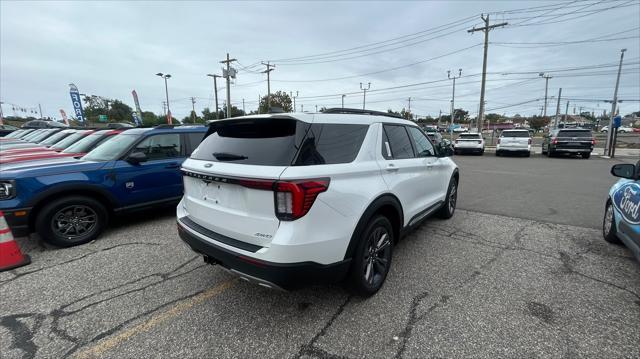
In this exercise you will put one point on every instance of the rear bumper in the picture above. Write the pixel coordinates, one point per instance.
(572, 150)
(285, 276)
(19, 225)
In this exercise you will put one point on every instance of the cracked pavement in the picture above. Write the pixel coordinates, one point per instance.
(478, 285)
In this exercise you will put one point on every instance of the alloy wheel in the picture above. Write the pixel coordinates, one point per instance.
(74, 221)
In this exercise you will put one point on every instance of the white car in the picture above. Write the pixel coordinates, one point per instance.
(290, 200)
(469, 143)
(621, 129)
(460, 129)
(514, 141)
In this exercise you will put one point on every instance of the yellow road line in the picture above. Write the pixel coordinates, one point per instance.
(109, 343)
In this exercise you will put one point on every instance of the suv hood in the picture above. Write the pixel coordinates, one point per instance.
(50, 166)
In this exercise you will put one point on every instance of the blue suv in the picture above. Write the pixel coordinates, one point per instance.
(69, 202)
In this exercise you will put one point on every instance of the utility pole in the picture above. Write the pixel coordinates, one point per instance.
(268, 71)
(343, 96)
(40, 107)
(193, 110)
(566, 113)
(558, 109)
(614, 103)
(228, 76)
(243, 113)
(453, 96)
(215, 91)
(410, 107)
(439, 119)
(364, 94)
(166, 91)
(294, 99)
(546, 88)
(486, 30)
(164, 108)
(301, 107)
(316, 108)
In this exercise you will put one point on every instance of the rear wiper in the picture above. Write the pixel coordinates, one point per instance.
(223, 156)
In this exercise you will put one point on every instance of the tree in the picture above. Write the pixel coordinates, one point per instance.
(460, 115)
(150, 119)
(278, 99)
(393, 112)
(537, 122)
(119, 112)
(407, 115)
(207, 115)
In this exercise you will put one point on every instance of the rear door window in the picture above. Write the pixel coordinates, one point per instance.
(574, 133)
(193, 140)
(269, 142)
(398, 141)
(515, 134)
(331, 144)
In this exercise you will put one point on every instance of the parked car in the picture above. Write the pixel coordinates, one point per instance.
(460, 129)
(30, 140)
(16, 134)
(568, 141)
(6, 129)
(469, 143)
(621, 129)
(69, 201)
(514, 141)
(621, 223)
(291, 200)
(43, 124)
(437, 139)
(53, 151)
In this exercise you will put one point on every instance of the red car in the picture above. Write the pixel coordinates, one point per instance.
(76, 148)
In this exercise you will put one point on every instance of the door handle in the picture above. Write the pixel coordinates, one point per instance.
(172, 165)
(392, 168)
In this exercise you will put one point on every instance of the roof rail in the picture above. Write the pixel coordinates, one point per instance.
(165, 125)
(355, 111)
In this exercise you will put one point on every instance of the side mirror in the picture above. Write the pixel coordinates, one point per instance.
(624, 170)
(445, 150)
(136, 158)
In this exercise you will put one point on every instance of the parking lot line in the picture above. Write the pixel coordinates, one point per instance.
(98, 349)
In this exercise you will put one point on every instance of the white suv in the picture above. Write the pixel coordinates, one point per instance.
(289, 200)
(514, 141)
(469, 143)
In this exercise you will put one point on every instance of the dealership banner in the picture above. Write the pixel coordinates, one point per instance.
(77, 103)
(64, 117)
(137, 116)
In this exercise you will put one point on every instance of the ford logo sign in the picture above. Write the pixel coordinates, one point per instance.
(208, 165)
(627, 201)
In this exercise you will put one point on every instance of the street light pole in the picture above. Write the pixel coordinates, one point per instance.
(166, 91)
(343, 96)
(546, 88)
(364, 93)
(453, 96)
(607, 148)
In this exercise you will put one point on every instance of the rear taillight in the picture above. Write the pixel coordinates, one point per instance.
(593, 141)
(456, 142)
(480, 142)
(554, 141)
(530, 141)
(293, 199)
(498, 141)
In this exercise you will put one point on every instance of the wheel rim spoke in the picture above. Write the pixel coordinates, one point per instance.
(74, 221)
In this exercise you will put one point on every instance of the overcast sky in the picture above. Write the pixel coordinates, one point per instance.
(111, 48)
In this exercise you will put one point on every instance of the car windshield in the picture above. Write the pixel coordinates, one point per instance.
(14, 134)
(41, 136)
(68, 141)
(515, 134)
(55, 138)
(85, 144)
(112, 149)
(574, 133)
(32, 134)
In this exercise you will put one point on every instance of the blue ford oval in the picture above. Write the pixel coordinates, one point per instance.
(621, 221)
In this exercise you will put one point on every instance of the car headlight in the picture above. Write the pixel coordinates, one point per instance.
(7, 189)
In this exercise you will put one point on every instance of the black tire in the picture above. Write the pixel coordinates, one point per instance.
(528, 154)
(544, 153)
(83, 218)
(481, 152)
(586, 155)
(498, 153)
(609, 228)
(372, 258)
(551, 153)
(450, 202)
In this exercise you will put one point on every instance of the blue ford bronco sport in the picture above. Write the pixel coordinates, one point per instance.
(68, 202)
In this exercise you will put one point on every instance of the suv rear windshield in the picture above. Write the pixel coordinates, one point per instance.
(515, 134)
(469, 136)
(574, 133)
(280, 142)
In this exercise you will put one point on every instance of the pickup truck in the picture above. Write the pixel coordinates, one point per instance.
(68, 201)
(568, 141)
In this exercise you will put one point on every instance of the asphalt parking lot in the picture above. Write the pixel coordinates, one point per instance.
(521, 270)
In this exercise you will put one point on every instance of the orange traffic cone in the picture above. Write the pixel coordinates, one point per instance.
(10, 254)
